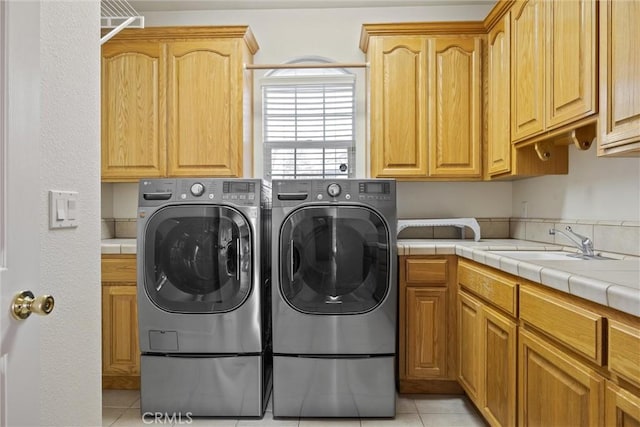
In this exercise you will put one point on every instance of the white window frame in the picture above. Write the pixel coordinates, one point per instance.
(337, 76)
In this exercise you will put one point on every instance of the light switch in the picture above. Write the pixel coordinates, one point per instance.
(63, 209)
(71, 209)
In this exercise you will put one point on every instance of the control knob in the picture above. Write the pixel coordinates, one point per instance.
(197, 189)
(334, 190)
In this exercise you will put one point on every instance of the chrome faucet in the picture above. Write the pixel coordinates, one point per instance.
(584, 243)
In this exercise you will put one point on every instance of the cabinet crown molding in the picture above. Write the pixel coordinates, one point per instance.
(456, 28)
(190, 33)
(496, 14)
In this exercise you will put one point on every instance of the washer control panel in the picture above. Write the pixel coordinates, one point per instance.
(243, 192)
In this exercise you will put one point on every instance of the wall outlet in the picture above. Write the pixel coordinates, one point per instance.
(524, 209)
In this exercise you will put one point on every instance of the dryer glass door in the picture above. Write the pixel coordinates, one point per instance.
(197, 259)
(334, 260)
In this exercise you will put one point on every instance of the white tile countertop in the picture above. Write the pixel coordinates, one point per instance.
(118, 246)
(614, 283)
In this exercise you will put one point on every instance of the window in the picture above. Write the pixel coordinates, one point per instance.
(308, 123)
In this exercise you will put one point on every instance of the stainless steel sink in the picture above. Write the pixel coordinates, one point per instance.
(547, 256)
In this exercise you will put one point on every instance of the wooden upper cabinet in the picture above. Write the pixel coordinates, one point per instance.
(425, 99)
(498, 102)
(619, 78)
(528, 62)
(176, 101)
(204, 98)
(571, 64)
(455, 88)
(553, 54)
(133, 109)
(398, 116)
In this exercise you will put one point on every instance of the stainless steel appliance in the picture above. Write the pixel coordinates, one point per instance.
(204, 295)
(334, 298)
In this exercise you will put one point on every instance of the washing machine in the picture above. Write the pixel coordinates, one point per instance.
(203, 296)
(334, 302)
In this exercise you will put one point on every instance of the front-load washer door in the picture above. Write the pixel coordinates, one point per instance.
(197, 259)
(334, 260)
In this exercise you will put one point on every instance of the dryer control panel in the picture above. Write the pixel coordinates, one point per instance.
(243, 192)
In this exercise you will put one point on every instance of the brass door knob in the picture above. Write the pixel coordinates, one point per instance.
(24, 303)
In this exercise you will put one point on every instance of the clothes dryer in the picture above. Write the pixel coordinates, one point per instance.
(334, 299)
(203, 296)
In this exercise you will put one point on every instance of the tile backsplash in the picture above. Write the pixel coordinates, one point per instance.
(621, 237)
(609, 236)
(118, 228)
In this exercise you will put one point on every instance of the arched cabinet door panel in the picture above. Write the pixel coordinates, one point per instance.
(133, 110)
(204, 102)
(398, 117)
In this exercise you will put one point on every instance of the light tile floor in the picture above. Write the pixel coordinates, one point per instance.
(121, 408)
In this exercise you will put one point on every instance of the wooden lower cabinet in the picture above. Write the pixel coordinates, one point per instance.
(622, 409)
(427, 320)
(120, 344)
(427, 325)
(554, 388)
(469, 324)
(529, 355)
(487, 359)
(499, 338)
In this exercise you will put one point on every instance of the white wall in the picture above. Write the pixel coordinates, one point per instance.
(595, 189)
(454, 199)
(70, 258)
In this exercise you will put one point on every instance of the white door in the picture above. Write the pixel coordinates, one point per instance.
(19, 219)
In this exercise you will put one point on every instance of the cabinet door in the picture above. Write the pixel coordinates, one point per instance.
(426, 333)
(527, 60)
(622, 409)
(205, 108)
(120, 347)
(619, 74)
(554, 389)
(398, 104)
(571, 60)
(455, 88)
(469, 350)
(499, 114)
(499, 368)
(133, 111)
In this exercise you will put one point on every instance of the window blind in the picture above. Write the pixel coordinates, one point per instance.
(308, 128)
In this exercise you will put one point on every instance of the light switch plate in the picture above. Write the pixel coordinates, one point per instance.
(63, 209)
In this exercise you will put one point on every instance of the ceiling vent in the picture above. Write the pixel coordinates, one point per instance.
(116, 15)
